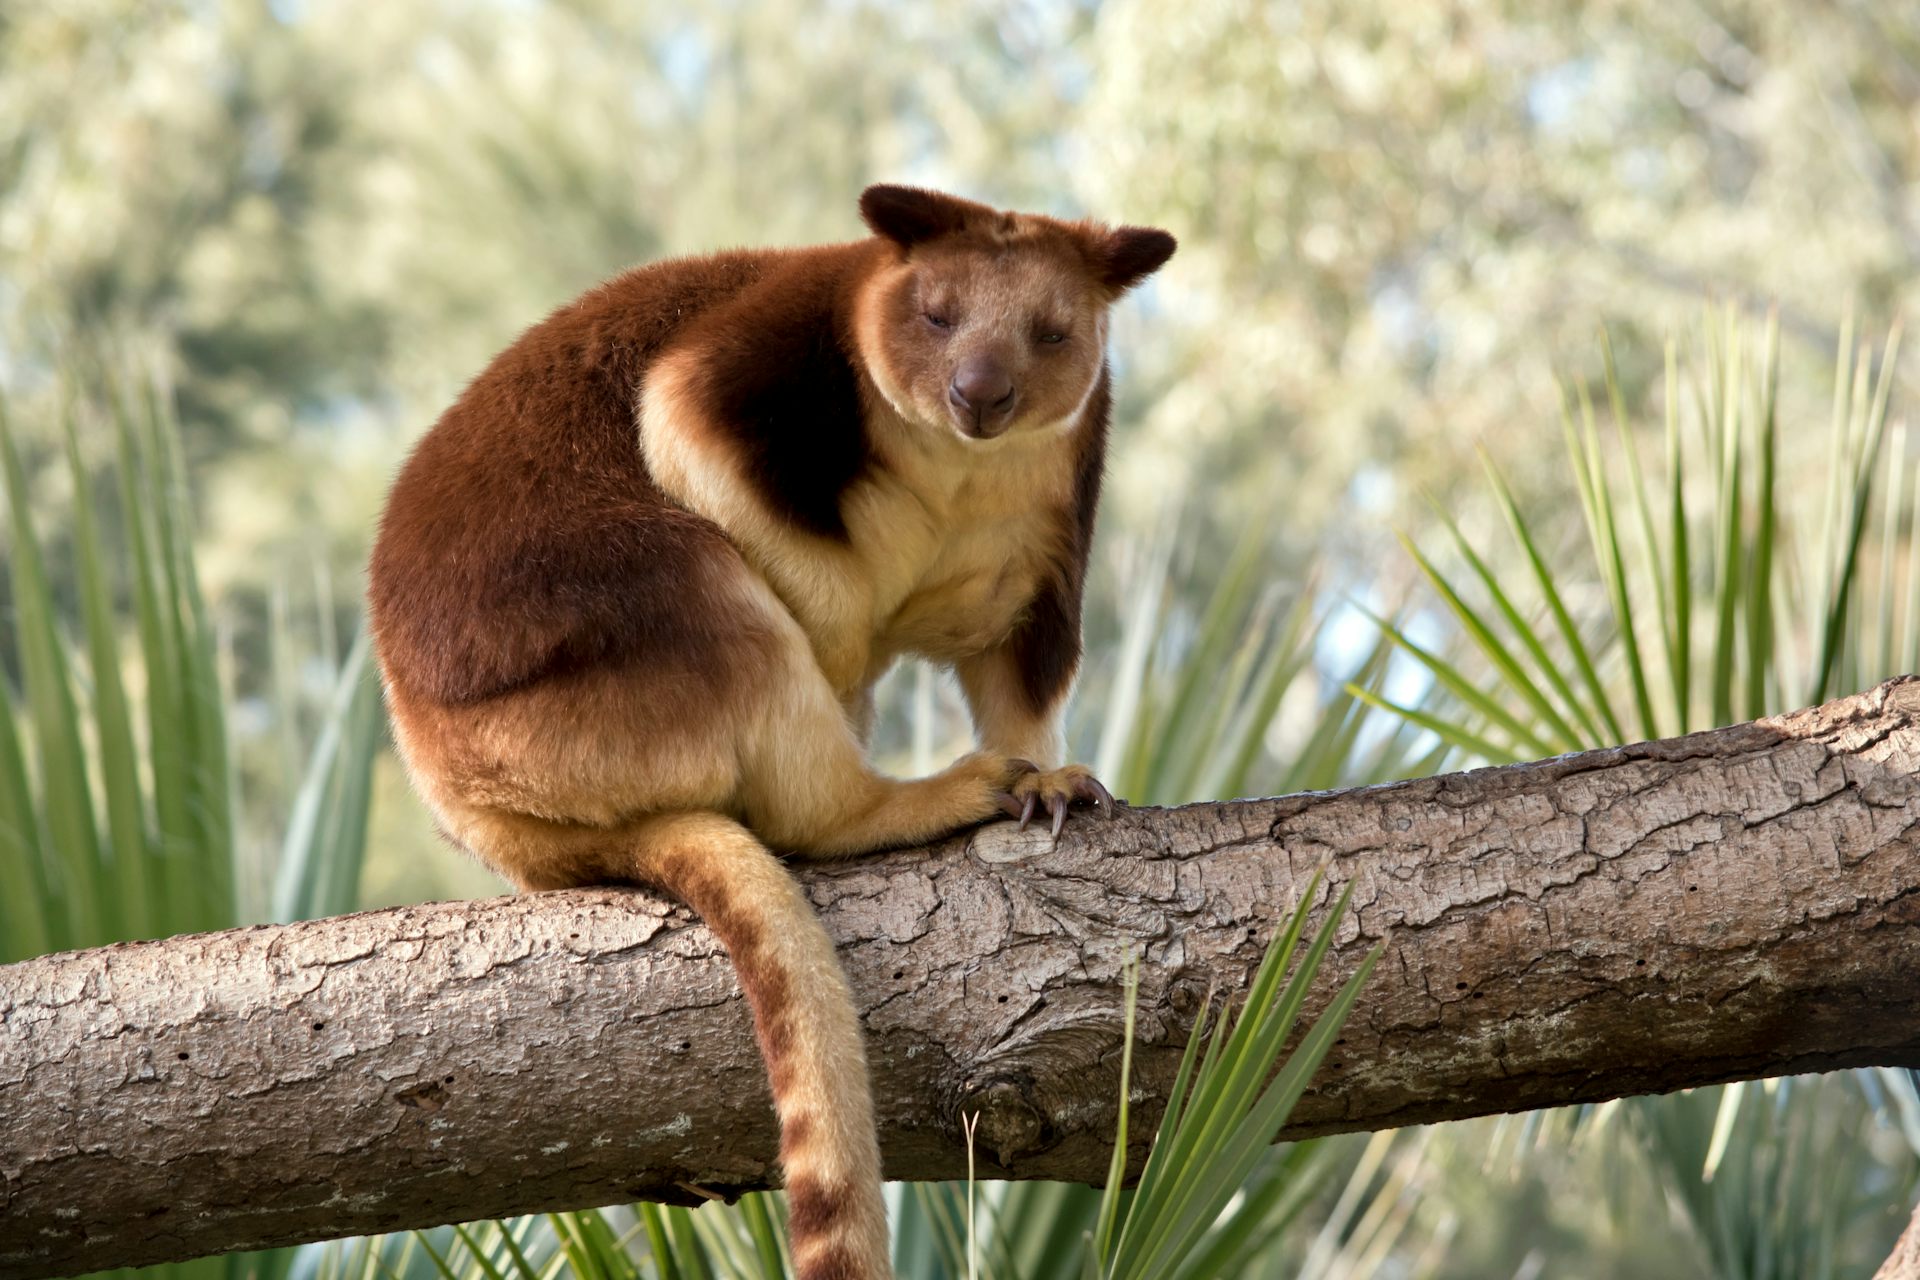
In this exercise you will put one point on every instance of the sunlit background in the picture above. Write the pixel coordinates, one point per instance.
(1403, 230)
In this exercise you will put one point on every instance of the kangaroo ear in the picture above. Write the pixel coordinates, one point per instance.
(910, 215)
(1128, 255)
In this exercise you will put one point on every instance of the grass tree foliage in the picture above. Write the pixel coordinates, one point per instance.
(119, 812)
(1724, 594)
(1714, 590)
(119, 808)
(1710, 591)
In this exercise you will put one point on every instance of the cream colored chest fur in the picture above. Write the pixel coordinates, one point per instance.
(947, 537)
(954, 538)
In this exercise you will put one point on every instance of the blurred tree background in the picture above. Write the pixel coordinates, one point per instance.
(313, 221)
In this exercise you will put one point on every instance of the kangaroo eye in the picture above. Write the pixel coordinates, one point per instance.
(938, 321)
(1053, 338)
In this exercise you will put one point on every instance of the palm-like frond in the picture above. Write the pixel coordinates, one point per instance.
(114, 825)
(1222, 1112)
(1722, 594)
(115, 828)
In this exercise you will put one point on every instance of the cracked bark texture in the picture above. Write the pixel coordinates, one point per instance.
(1729, 905)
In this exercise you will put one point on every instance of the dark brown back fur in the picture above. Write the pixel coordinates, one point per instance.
(524, 537)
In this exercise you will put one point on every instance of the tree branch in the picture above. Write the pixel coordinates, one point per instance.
(1729, 905)
(1904, 1262)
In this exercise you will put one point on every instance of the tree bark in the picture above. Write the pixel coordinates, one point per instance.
(1904, 1262)
(1728, 905)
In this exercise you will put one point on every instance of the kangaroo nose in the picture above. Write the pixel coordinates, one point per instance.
(982, 391)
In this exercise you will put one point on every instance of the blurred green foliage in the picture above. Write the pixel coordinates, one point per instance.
(323, 217)
(120, 803)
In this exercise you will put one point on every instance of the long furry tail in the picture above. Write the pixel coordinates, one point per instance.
(808, 1029)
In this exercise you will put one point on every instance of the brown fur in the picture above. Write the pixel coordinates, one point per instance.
(632, 593)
